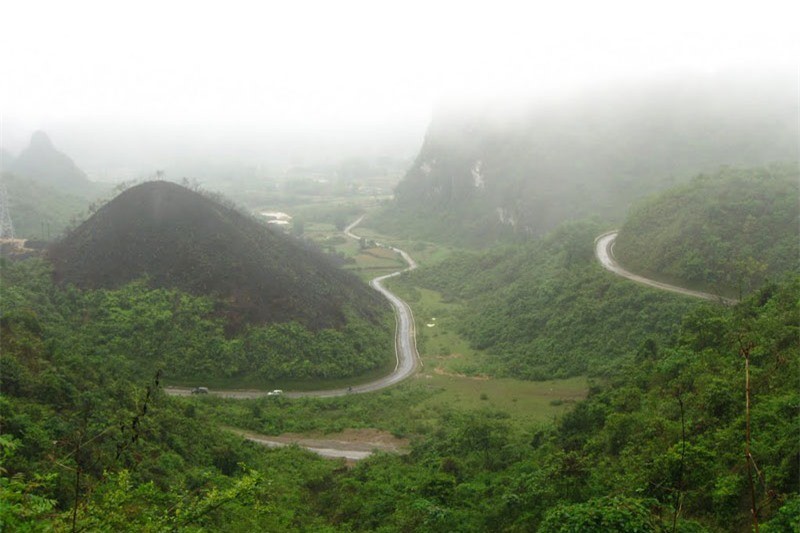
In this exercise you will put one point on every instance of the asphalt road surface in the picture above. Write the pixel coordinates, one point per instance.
(604, 251)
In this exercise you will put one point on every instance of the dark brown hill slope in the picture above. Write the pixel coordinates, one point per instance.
(180, 238)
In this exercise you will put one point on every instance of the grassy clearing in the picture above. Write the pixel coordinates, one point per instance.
(376, 258)
(526, 402)
(372, 262)
(450, 368)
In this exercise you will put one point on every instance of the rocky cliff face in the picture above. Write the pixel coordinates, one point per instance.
(531, 169)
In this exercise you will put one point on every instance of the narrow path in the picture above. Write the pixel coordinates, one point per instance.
(604, 251)
(407, 357)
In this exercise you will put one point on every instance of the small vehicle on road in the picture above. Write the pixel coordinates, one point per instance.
(276, 392)
(200, 390)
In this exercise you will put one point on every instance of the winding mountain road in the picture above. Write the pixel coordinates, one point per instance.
(604, 251)
(406, 354)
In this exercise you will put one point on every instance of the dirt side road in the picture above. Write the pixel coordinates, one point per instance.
(351, 444)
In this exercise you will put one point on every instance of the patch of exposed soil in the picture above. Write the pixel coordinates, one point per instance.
(352, 444)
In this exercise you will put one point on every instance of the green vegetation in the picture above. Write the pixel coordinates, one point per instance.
(729, 231)
(661, 444)
(665, 434)
(455, 369)
(546, 309)
(146, 329)
(90, 442)
(104, 453)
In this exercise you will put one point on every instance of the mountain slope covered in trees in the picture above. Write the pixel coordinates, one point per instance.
(547, 309)
(86, 440)
(661, 444)
(178, 238)
(732, 229)
(482, 175)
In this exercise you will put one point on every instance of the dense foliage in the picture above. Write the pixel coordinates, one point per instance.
(659, 448)
(733, 229)
(547, 309)
(103, 453)
(182, 239)
(142, 329)
(88, 441)
(526, 169)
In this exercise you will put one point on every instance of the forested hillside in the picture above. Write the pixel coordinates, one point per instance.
(660, 448)
(412, 267)
(89, 441)
(142, 330)
(546, 308)
(90, 445)
(179, 238)
(729, 230)
(481, 175)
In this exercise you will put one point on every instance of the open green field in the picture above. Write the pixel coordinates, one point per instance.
(373, 262)
(525, 402)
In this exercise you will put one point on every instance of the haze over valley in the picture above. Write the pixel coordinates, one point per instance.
(427, 267)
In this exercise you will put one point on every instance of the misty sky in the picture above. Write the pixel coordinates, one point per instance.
(345, 64)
